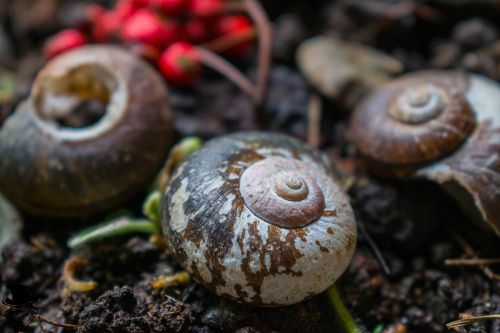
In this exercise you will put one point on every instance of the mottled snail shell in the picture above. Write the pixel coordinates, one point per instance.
(61, 172)
(441, 125)
(256, 217)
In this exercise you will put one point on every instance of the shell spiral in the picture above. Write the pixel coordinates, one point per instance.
(441, 125)
(257, 218)
(413, 120)
(282, 191)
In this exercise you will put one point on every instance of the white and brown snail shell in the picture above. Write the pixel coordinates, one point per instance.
(257, 217)
(441, 125)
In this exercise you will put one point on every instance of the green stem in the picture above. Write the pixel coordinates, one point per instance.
(118, 227)
(343, 315)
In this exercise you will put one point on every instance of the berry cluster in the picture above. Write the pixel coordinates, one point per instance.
(167, 33)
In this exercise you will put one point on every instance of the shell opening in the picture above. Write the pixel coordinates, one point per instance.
(82, 103)
(419, 105)
(283, 192)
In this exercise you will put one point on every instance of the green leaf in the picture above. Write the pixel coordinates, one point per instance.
(152, 208)
(118, 227)
(177, 155)
(378, 329)
(7, 85)
(186, 147)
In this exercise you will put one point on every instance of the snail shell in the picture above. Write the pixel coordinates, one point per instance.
(441, 125)
(10, 224)
(257, 218)
(56, 171)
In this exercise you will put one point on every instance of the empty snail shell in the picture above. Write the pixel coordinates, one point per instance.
(52, 170)
(256, 217)
(10, 224)
(441, 125)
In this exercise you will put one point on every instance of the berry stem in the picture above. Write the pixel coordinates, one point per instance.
(343, 315)
(219, 64)
(264, 31)
(226, 42)
(226, 7)
(233, 6)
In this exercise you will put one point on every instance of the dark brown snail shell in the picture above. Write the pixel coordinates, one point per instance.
(56, 171)
(256, 217)
(10, 224)
(441, 125)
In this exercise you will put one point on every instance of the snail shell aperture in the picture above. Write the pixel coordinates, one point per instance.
(257, 217)
(52, 170)
(444, 126)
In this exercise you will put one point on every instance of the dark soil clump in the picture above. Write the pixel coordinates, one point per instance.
(170, 316)
(115, 311)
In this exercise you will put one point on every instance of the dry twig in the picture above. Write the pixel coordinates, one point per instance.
(314, 121)
(42, 319)
(471, 262)
(374, 247)
(469, 320)
(472, 253)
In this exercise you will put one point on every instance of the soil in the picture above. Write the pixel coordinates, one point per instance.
(414, 226)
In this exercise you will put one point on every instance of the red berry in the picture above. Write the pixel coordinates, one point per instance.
(93, 12)
(205, 7)
(196, 31)
(146, 27)
(142, 3)
(170, 7)
(63, 41)
(124, 9)
(234, 24)
(180, 64)
(106, 27)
